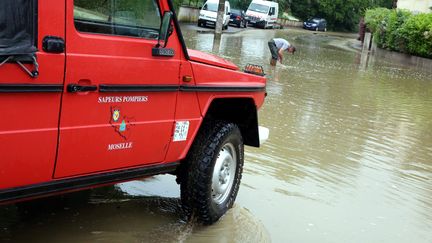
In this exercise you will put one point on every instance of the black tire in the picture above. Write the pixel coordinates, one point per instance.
(205, 193)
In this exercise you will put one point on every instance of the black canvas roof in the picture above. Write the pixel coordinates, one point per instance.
(17, 27)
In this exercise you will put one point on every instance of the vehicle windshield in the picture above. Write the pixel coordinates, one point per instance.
(258, 8)
(314, 20)
(235, 11)
(213, 7)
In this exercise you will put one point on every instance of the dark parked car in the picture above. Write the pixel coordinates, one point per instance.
(238, 18)
(315, 24)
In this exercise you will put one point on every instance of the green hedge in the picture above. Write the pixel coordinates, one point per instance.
(400, 30)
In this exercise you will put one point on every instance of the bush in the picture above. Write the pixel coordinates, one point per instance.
(374, 17)
(376, 21)
(400, 30)
(394, 39)
(417, 34)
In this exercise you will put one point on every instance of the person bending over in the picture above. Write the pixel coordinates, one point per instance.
(277, 47)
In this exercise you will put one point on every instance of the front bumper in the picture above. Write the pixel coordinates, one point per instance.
(235, 21)
(255, 20)
(207, 21)
(309, 27)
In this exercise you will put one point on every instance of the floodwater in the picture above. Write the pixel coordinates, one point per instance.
(349, 159)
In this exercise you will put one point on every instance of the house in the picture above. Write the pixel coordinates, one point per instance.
(416, 6)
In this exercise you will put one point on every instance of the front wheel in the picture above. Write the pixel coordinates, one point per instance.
(211, 173)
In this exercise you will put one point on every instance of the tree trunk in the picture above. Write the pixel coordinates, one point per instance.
(220, 17)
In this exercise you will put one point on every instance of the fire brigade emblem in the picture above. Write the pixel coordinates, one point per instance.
(116, 115)
(121, 124)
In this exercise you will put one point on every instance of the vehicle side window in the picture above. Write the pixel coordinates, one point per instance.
(136, 18)
(272, 11)
(205, 7)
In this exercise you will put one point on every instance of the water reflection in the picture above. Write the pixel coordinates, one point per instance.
(138, 211)
(348, 159)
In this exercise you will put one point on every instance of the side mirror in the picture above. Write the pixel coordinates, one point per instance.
(164, 31)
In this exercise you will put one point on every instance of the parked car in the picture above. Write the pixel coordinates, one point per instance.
(238, 18)
(315, 24)
(125, 100)
(208, 14)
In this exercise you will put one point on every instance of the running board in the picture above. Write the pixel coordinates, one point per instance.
(73, 184)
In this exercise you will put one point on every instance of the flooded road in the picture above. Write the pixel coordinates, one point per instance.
(349, 159)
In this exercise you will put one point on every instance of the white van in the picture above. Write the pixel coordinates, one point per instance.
(263, 13)
(208, 14)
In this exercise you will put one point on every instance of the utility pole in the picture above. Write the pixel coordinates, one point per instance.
(220, 18)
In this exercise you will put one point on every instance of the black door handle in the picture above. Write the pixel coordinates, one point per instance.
(73, 88)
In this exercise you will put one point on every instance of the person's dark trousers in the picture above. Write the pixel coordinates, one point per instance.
(273, 50)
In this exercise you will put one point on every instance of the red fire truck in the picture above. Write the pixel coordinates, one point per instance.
(95, 92)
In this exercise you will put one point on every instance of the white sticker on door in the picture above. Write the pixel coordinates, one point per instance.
(181, 131)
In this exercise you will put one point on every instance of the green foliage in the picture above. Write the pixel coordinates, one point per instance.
(374, 17)
(394, 39)
(401, 31)
(240, 4)
(304, 9)
(417, 35)
(190, 3)
(340, 14)
(177, 4)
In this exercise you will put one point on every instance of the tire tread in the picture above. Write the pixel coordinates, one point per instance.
(196, 173)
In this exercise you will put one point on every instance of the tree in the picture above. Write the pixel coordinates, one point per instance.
(240, 4)
(340, 14)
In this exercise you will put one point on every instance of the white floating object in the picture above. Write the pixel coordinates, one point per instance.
(263, 134)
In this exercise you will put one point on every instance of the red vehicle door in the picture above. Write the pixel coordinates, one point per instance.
(119, 103)
(29, 106)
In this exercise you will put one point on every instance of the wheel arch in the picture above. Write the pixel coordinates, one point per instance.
(241, 111)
